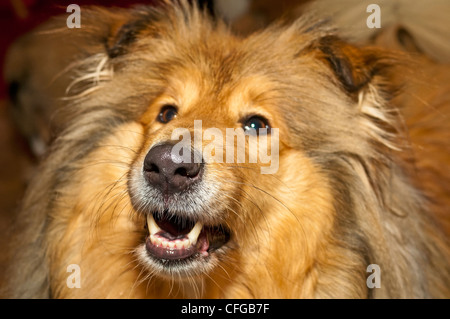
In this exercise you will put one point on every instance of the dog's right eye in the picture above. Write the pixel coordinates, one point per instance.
(167, 114)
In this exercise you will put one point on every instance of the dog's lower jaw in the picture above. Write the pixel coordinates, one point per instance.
(180, 263)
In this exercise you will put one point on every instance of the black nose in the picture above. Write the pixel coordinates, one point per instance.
(167, 171)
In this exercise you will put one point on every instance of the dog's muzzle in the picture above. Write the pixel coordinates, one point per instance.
(175, 235)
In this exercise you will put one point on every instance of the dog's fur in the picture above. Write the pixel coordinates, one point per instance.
(346, 194)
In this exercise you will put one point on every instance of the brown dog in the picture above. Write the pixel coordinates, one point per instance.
(342, 201)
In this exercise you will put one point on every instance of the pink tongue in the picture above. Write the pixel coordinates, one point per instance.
(169, 235)
(202, 244)
(169, 253)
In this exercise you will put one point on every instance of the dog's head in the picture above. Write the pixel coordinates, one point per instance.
(243, 148)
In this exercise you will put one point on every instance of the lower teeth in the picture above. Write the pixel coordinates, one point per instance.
(166, 243)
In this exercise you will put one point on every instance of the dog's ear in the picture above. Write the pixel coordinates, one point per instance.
(355, 68)
(117, 44)
(144, 19)
(123, 34)
(370, 77)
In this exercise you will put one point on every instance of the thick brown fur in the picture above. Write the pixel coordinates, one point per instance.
(346, 194)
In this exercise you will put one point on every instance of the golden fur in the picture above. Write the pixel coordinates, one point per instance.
(345, 195)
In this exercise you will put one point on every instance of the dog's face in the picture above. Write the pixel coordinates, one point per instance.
(197, 209)
(203, 211)
(221, 150)
(205, 206)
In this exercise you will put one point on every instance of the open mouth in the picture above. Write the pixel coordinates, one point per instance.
(174, 238)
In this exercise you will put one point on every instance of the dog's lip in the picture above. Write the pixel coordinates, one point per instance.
(166, 241)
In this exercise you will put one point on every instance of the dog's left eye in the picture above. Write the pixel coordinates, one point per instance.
(167, 114)
(256, 122)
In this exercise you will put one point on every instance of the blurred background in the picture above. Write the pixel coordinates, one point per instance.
(418, 26)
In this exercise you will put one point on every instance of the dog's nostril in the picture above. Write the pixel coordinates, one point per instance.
(181, 171)
(188, 171)
(152, 168)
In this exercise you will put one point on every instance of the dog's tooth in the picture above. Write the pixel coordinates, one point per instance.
(186, 243)
(178, 244)
(171, 244)
(153, 228)
(193, 234)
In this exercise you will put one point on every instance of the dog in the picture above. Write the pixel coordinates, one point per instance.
(114, 204)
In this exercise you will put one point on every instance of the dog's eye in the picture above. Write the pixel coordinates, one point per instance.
(167, 114)
(256, 122)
